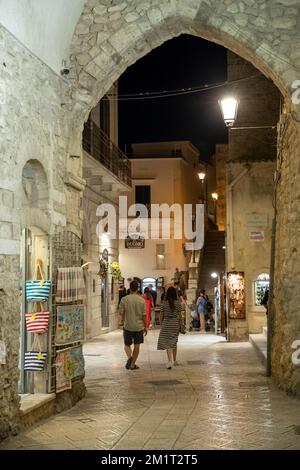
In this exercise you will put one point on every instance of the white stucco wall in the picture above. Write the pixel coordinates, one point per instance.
(45, 27)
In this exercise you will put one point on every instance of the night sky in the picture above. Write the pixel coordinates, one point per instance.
(182, 62)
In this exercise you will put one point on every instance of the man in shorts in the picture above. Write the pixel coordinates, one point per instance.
(132, 310)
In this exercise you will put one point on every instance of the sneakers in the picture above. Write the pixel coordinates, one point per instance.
(169, 365)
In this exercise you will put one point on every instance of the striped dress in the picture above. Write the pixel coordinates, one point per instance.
(169, 332)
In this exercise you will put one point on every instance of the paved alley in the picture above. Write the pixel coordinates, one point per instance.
(217, 398)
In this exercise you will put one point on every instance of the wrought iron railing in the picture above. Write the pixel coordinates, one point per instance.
(99, 146)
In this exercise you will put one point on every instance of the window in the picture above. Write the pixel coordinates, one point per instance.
(160, 257)
(261, 284)
(105, 115)
(143, 196)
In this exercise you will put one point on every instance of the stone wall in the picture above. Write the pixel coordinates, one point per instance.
(221, 157)
(111, 36)
(286, 314)
(259, 106)
(34, 125)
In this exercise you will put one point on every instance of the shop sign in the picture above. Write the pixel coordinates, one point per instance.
(260, 220)
(137, 243)
(257, 236)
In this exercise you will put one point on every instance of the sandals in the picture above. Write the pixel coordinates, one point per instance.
(128, 363)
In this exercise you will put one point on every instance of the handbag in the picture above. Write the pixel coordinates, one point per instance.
(182, 328)
(37, 322)
(38, 290)
(34, 361)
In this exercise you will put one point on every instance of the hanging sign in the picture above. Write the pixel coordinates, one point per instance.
(258, 236)
(134, 243)
(259, 220)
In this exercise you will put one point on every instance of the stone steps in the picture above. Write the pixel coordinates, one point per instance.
(259, 342)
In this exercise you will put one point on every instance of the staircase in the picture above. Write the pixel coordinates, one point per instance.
(213, 259)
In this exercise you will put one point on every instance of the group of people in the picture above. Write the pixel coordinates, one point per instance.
(138, 315)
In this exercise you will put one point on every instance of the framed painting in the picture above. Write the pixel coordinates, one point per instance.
(70, 324)
(236, 295)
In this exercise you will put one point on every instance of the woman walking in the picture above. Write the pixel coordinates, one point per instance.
(170, 321)
(149, 305)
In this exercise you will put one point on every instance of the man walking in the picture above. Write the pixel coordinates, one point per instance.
(132, 310)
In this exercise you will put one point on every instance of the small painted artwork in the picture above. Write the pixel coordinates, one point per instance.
(63, 381)
(236, 295)
(70, 324)
(75, 362)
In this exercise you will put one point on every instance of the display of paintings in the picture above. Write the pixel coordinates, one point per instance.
(63, 381)
(236, 295)
(69, 366)
(70, 324)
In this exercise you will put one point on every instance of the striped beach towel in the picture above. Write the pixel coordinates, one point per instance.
(34, 361)
(70, 285)
(37, 322)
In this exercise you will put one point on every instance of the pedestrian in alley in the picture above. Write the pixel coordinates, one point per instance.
(153, 293)
(201, 306)
(149, 305)
(132, 310)
(265, 300)
(170, 325)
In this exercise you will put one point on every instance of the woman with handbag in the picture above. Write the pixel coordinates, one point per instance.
(170, 326)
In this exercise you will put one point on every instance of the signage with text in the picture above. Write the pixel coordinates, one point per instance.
(134, 243)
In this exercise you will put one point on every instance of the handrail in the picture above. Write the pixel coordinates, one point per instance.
(97, 144)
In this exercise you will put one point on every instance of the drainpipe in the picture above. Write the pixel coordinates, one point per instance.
(230, 216)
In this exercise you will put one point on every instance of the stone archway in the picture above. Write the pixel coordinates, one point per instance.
(110, 37)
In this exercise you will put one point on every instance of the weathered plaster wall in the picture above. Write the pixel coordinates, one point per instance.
(252, 210)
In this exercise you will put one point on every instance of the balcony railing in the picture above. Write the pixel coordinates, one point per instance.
(99, 146)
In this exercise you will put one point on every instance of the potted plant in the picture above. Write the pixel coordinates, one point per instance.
(116, 271)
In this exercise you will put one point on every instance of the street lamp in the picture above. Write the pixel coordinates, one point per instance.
(229, 106)
(201, 176)
(215, 196)
(214, 275)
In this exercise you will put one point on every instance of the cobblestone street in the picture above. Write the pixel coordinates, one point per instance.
(217, 398)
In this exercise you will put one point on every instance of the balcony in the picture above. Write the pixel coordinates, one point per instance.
(96, 143)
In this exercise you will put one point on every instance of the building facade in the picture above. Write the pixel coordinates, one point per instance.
(162, 173)
(107, 174)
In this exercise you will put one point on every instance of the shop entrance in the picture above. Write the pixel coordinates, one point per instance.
(35, 264)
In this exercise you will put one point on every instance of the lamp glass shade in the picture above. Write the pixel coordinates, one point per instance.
(201, 175)
(229, 107)
(215, 196)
